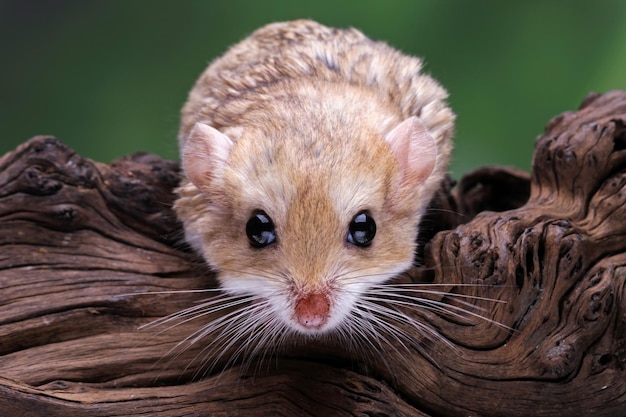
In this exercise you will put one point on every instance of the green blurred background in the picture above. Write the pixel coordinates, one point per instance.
(109, 77)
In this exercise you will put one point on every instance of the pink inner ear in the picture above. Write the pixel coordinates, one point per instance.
(415, 149)
(205, 153)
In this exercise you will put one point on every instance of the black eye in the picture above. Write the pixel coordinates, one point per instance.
(260, 229)
(362, 229)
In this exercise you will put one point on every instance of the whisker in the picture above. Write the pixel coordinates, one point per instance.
(433, 305)
(210, 307)
(259, 333)
(373, 321)
(234, 330)
(221, 322)
(393, 313)
(372, 328)
(259, 273)
(432, 209)
(420, 284)
(224, 322)
(390, 292)
(272, 330)
(247, 331)
(364, 331)
(434, 308)
(172, 292)
(438, 306)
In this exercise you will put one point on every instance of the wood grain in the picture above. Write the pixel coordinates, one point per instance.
(90, 252)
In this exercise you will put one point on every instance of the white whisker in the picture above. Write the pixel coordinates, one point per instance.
(399, 316)
(446, 308)
(234, 330)
(248, 330)
(172, 292)
(222, 322)
(398, 294)
(197, 311)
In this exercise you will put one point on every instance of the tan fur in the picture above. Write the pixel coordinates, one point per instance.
(308, 108)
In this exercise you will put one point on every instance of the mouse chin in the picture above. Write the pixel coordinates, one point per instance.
(314, 328)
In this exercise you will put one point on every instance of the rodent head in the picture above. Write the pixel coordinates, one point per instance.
(307, 225)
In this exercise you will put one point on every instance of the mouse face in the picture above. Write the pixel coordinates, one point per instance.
(305, 221)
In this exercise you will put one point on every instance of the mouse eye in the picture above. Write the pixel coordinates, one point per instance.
(362, 229)
(260, 229)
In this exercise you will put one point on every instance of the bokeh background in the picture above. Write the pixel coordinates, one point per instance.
(109, 77)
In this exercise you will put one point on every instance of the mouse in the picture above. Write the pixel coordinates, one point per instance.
(309, 156)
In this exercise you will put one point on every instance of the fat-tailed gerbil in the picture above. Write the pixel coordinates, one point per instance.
(309, 156)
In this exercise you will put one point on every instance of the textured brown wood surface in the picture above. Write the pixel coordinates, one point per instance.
(89, 252)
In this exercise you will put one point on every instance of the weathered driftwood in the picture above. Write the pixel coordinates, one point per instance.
(81, 240)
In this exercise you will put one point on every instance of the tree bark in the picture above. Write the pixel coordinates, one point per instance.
(91, 252)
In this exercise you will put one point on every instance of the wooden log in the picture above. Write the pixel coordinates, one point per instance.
(92, 252)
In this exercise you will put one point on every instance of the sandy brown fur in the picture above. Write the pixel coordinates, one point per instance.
(307, 107)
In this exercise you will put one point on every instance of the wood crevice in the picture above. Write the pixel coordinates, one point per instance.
(92, 251)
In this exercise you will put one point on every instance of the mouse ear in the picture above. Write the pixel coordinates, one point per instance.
(415, 149)
(204, 155)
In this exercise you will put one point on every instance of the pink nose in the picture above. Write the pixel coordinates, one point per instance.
(312, 311)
